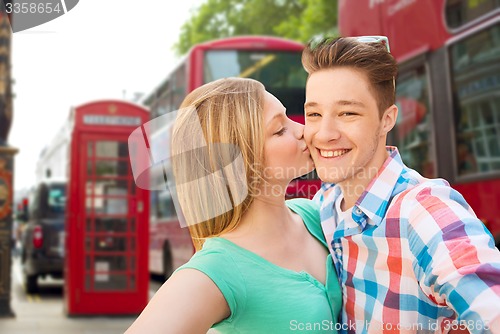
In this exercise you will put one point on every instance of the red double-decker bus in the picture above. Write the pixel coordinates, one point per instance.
(448, 89)
(275, 62)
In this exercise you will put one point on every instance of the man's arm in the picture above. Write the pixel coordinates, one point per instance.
(460, 264)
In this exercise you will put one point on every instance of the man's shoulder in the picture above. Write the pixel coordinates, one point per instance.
(425, 188)
(426, 197)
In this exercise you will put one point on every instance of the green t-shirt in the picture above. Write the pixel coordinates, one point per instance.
(266, 298)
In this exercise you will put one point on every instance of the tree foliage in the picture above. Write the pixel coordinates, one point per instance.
(299, 20)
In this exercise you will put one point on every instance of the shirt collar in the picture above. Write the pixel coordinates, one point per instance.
(376, 198)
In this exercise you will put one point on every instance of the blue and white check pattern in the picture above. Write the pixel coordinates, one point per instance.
(414, 257)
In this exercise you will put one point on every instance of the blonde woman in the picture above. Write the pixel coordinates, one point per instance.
(262, 264)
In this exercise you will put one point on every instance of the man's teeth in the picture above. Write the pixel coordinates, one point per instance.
(330, 154)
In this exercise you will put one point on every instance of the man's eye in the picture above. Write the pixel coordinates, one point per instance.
(347, 113)
(313, 114)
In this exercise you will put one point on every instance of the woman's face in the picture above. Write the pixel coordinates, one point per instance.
(286, 155)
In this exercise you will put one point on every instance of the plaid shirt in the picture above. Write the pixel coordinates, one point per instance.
(413, 256)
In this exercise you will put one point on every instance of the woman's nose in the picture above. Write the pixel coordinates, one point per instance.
(298, 130)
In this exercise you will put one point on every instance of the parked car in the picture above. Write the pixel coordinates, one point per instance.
(42, 248)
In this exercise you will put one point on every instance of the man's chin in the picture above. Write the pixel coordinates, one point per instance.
(328, 175)
(329, 179)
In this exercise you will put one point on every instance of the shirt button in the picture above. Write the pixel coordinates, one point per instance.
(358, 211)
(338, 251)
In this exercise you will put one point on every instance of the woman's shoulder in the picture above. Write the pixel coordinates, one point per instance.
(308, 210)
(303, 205)
(211, 255)
(222, 260)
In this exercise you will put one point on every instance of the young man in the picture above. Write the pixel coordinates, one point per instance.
(410, 253)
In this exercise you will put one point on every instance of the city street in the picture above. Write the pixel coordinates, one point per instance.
(42, 313)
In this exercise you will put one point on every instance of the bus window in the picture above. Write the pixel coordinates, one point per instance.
(282, 69)
(475, 67)
(412, 134)
(461, 12)
(280, 72)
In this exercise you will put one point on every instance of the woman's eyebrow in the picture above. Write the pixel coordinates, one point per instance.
(275, 117)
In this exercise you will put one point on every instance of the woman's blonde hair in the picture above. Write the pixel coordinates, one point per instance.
(217, 155)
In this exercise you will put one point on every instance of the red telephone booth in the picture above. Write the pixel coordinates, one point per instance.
(106, 261)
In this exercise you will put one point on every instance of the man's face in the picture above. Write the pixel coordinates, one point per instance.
(343, 129)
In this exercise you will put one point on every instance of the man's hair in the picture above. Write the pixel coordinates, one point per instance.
(371, 58)
(229, 112)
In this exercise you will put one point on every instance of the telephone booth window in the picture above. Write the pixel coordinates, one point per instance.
(110, 263)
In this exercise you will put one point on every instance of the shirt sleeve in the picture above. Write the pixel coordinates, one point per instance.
(457, 264)
(221, 268)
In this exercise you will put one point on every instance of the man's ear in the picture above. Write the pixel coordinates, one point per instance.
(389, 118)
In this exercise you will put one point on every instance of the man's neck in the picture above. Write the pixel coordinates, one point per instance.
(353, 188)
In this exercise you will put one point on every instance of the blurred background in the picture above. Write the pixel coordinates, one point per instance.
(73, 90)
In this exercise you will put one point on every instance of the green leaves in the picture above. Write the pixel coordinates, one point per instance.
(299, 20)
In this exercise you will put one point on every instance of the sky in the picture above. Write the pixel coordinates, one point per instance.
(109, 49)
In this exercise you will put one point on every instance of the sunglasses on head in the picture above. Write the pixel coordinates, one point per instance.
(315, 42)
(374, 39)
